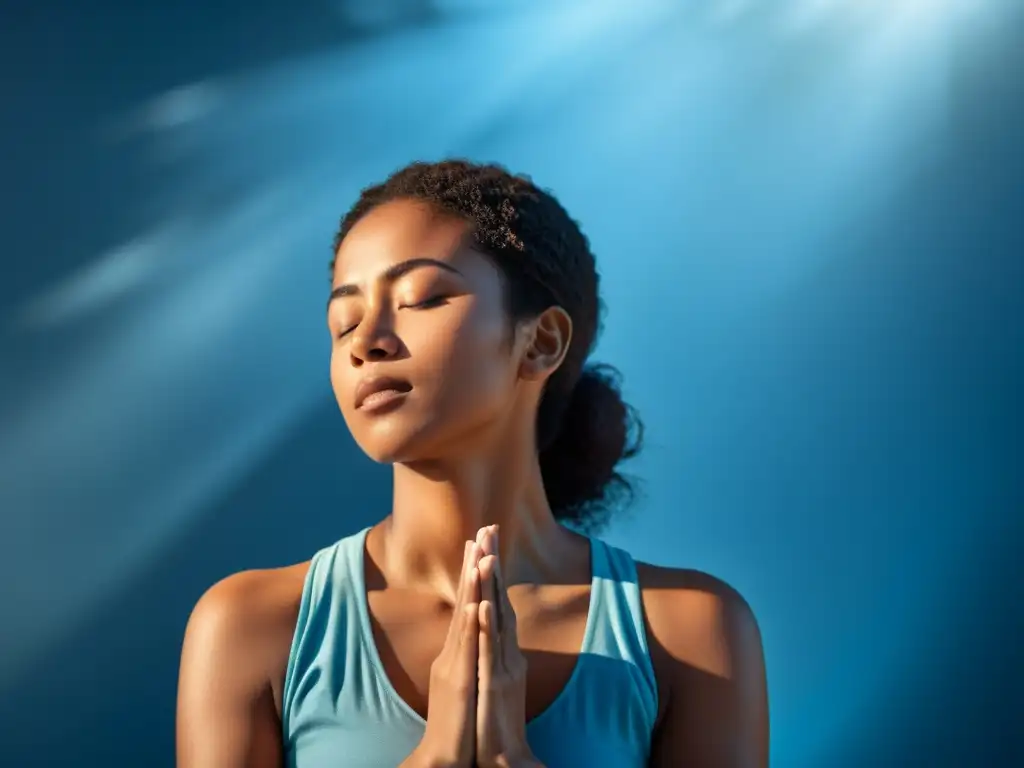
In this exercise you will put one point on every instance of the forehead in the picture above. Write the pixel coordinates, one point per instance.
(398, 231)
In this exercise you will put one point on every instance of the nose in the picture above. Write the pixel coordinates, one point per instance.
(374, 340)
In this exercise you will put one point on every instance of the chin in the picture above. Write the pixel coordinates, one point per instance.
(390, 443)
(407, 438)
(385, 451)
(385, 455)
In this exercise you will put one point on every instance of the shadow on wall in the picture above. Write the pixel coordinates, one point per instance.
(65, 153)
(957, 701)
(106, 694)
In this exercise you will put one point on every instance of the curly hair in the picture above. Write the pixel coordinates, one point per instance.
(584, 428)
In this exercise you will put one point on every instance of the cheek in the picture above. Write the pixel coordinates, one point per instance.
(472, 358)
(343, 387)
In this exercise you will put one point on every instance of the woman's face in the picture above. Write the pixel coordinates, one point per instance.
(423, 363)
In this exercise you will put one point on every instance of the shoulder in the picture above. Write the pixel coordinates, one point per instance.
(697, 618)
(232, 666)
(247, 618)
(705, 646)
(248, 601)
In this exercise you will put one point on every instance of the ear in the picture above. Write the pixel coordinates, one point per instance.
(549, 339)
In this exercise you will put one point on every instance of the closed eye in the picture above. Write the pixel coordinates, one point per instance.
(434, 301)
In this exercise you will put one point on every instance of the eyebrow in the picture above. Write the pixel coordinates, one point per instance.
(392, 273)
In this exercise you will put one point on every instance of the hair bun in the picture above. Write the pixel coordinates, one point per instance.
(598, 430)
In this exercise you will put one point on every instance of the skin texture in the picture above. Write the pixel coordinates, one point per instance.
(461, 440)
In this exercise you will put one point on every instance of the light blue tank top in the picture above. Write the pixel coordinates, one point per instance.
(340, 709)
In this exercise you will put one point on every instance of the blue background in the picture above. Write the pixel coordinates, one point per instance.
(807, 216)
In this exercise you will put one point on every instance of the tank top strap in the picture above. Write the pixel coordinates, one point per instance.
(617, 626)
(329, 633)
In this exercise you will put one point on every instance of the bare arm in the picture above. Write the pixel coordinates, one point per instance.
(227, 717)
(707, 650)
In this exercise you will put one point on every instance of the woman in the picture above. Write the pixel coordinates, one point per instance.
(470, 627)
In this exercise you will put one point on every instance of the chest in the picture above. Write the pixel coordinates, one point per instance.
(409, 631)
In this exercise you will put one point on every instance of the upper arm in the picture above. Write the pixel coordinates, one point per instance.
(708, 657)
(226, 714)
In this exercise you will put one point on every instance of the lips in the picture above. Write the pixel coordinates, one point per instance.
(374, 391)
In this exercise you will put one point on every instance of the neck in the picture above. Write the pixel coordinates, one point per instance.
(439, 505)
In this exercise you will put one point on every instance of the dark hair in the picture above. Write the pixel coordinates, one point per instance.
(584, 429)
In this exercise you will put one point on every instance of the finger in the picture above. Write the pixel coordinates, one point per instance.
(492, 544)
(475, 553)
(487, 583)
(470, 614)
(468, 642)
(507, 643)
(486, 538)
(473, 561)
(490, 535)
(506, 614)
(489, 590)
(473, 590)
(486, 645)
(460, 595)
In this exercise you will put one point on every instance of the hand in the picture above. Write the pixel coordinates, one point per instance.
(450, 735)
(501, 687)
